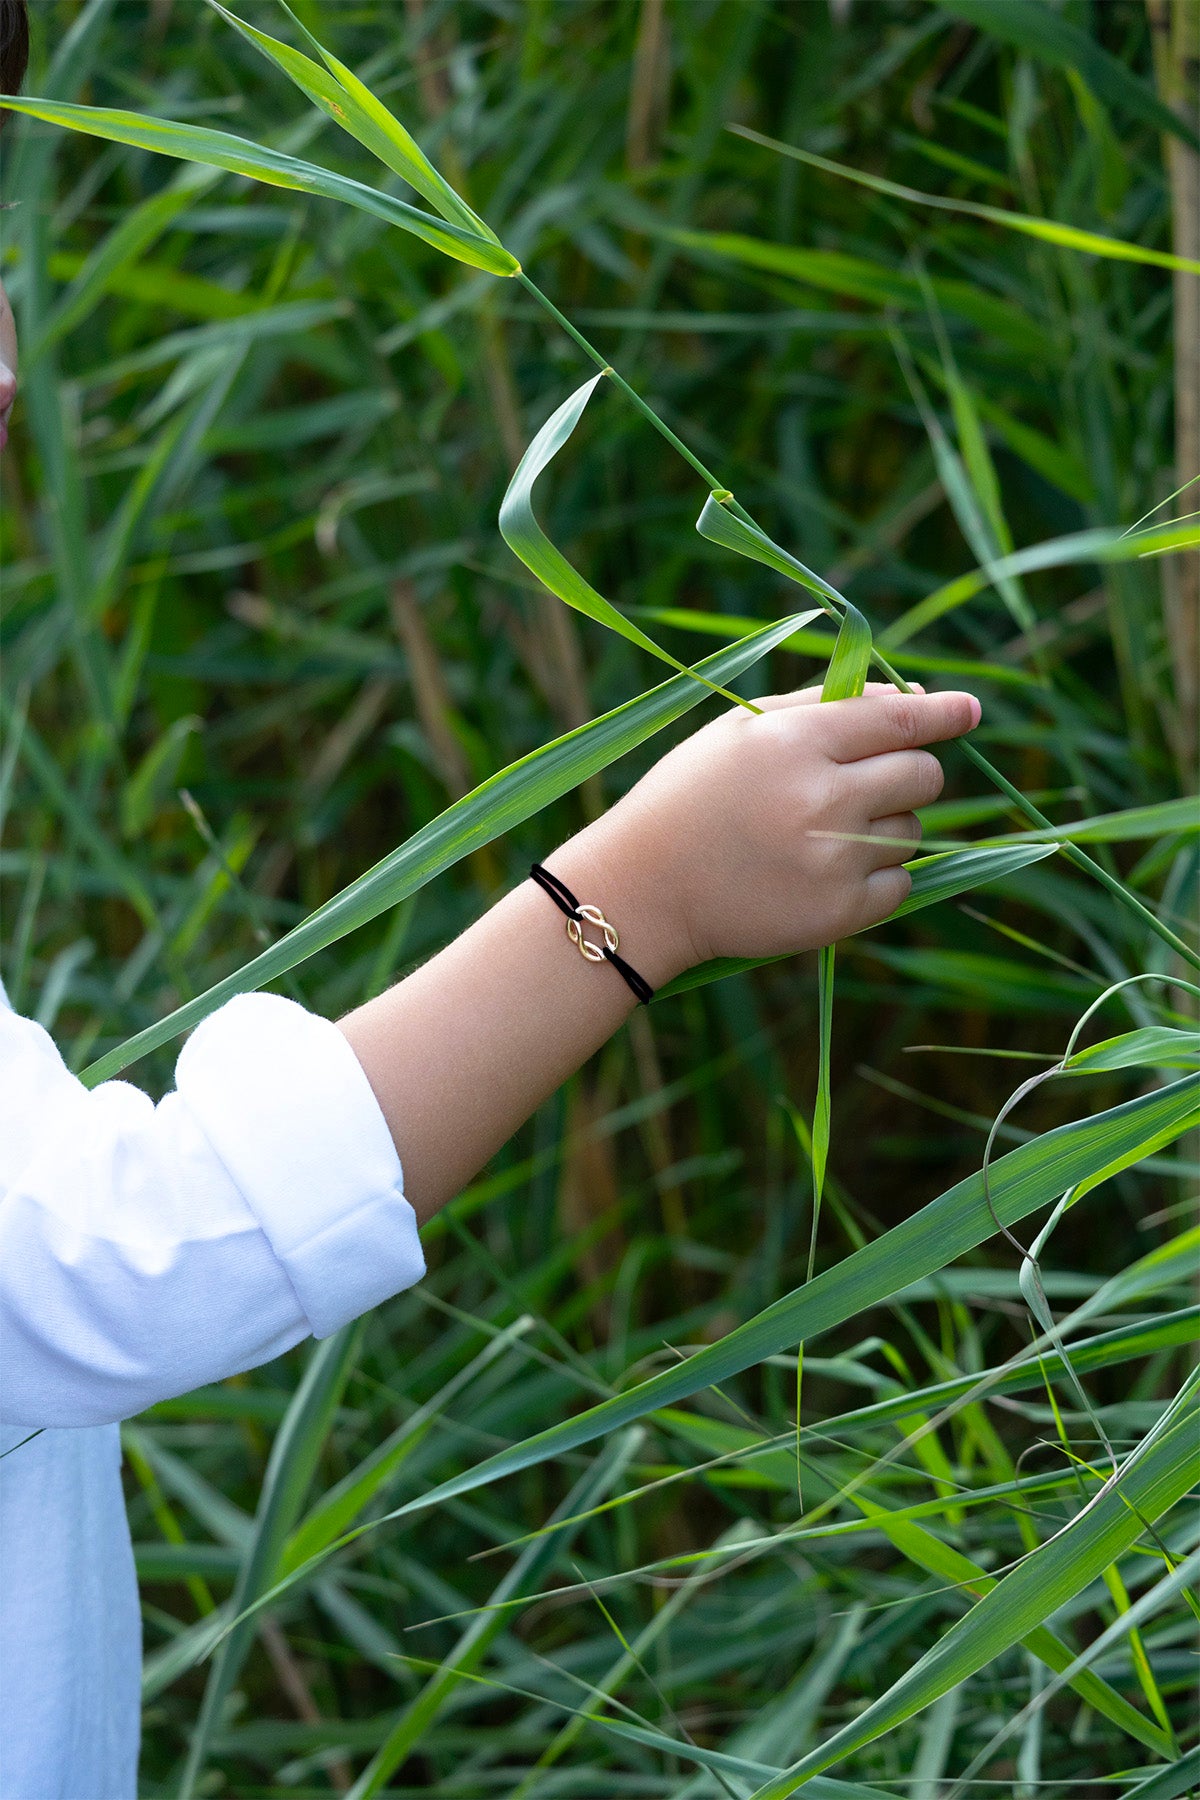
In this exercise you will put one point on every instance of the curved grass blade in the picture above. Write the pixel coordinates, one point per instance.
(221, 150)
(1032, 1175)
(526, 539)
(1050, 231)
(934, 878)
(496, 806)
(720, 526)
(350, 104)
(1152, 1479)
(846, 676)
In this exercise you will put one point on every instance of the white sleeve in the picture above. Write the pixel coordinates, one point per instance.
(145, 1250)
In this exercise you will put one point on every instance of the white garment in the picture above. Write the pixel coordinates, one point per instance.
(145, 1250)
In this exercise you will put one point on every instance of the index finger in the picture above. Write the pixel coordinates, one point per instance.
(877, 723)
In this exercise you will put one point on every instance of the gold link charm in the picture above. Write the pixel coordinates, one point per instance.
(592, 952)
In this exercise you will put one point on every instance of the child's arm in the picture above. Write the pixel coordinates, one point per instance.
(709, 855)
(146, 1250)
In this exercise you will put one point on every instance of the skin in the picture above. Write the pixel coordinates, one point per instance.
(728, 846)
(8, 364)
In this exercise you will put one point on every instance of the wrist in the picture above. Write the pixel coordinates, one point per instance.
(606, 866)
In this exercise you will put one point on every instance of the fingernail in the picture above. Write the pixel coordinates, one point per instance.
(976, 711)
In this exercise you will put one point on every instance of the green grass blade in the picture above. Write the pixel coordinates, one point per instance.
(721, 526)
(1181, 1778)
(1151, 1481)
(345, 100)
(859, 278)
(499, 804)
(846, 676)
(526, 539)
(122, 246)
(951, 1567)
(1051, 231)
(1161, 819)
(221, 150)
(1099, 546)
(1150, 1047)
(972, 491)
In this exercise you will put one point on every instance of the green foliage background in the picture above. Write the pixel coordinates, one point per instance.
(260, 626)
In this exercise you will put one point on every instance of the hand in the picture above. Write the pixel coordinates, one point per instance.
(737, 826)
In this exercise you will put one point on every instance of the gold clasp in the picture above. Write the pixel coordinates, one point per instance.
(589, 951)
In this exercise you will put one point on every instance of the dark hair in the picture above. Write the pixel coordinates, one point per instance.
(14, 45)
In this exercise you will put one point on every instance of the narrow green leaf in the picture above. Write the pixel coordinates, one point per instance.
(526, 539)
(221, 150)
(720, 526)
(1150, 1047)
(822, 1110)
(846, 676)
(1163, 818)
(344, 99)
(128, 241)
(845, 679)
(1181, 1778)
(1069, 237)
(340, 1505)
(146, 788)
(1097, 546)
(972, 491)
(950, 1566)
(856, 277)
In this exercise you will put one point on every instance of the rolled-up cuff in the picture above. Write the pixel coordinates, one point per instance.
(284, 1102)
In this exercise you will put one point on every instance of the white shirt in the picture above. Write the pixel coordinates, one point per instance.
(145, 1250)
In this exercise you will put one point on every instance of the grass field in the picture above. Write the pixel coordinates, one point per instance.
(916, 284)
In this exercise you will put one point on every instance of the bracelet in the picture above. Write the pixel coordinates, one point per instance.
(577, 915)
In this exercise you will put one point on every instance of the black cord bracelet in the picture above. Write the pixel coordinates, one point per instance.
(577, 916)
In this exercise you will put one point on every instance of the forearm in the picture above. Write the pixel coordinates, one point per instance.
(760, 835)
(463, 1051)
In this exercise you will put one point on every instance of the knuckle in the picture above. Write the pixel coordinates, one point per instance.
(825, 794)
(890, 889)
(906, 718)
(931, 777)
